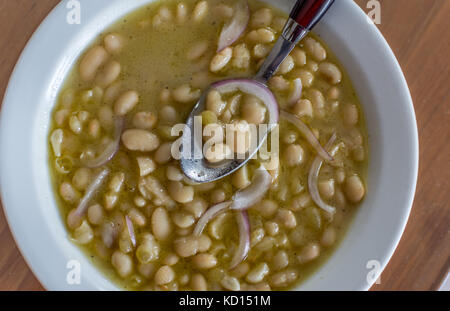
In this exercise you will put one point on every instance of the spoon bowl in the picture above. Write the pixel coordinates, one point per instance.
(193, 164)
(303, 17)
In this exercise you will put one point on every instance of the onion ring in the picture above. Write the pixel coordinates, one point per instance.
(236, 27)
(313, 177)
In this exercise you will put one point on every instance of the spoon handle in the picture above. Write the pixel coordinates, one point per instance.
(304, 16)
(308, 12)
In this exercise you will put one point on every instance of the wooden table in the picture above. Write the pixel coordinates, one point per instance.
(418, 32)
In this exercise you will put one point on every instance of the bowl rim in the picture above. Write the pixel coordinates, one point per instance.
(42, 265)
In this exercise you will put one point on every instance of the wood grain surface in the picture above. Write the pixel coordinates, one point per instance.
(419, 33)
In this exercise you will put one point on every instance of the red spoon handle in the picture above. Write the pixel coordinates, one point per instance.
(308, 12)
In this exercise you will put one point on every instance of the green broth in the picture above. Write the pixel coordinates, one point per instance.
(153, 59)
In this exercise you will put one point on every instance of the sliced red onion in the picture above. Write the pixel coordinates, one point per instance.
(210, 214)
(254, 193)
(308, 134)
(296, 92)
(314, 176)
(90, 191)
(244, 239)
(111, 149)
(236, 27)
(130, 229)
(251, 87)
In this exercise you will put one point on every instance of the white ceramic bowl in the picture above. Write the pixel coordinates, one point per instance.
(29, 202)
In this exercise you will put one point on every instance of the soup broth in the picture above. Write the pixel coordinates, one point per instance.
(124, 198)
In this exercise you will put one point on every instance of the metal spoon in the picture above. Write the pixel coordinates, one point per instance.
(303, 17)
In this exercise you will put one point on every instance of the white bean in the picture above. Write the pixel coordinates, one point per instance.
(122, 263)
(146, 165)
(350, 115)
(126, 102)
(95, 214)
(83, 234)
(197, 51)
(294, 155)
(200, 11)
(110, 200)
(164, 275)
(91, 62)
(117, 182)
(183, 220)
(168, 114)
(326, 188)
(303, 108)
(113, 43)
(230, 283)
(328, 237)
(75, 124)
(68, 193)
(148, 249)
(164, 153)
(181, 193)
(261, 18)
(287, 65)
(279, 83)
(161, 224)
(287, 218)
(61, 116)
(309, 253)
(182, 12)
(106, 116)
(173, 173)
(261, 50)
(140, 140)
(137, 217)
(240, 270)
(315, 49)
(215, 103)
(145, 120)
(299, 57)
(94, 128)
(267, 208)
(283, 278)
(198, 282)
(112, 92)
(108, 74)
(258, 273)
(241, 56)
(196, 207)
(171, 259)
(280, 260)
(221, 59)
(272, 228)
(81, 178)
(253, 111)
(261, 35)
(354, 189)
(185, 94)
(56, 140)
(204, 261)
(186, 246)
(331, 72)
(241, 179)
